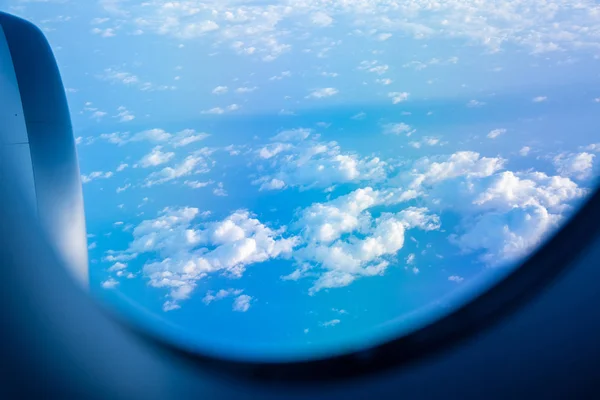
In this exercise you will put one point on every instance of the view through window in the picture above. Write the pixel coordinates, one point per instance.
(286, 179)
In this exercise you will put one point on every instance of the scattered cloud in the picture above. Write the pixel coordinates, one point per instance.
(475, 104)
(220, 90)
(331, 323)
(398, 129)
(576, 165)
(242, 303)
(124, 115)
(495, 133)
(95, 176)
(110, 283)
(524, 151)
(156, 157)
(322, 93)
(398, 97)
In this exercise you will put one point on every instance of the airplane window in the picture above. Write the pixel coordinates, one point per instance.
(292, 179)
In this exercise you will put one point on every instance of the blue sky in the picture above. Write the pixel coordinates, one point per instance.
(284, 179)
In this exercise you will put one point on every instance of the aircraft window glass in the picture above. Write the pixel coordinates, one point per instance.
(291, 179)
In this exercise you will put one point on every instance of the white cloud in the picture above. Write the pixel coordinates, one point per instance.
(259, 28)
(333, 322)
(344, 242)
(116, 76)
(463, 163)
(456, 278)
(398, 97)
(220, 190)
(292, 135)
(242, 303)
(98, 115)
(122, 167)
(272, 149)
(186, 137)
(509, 214)
(123, 188)
(426, 141)
(124, 115)
(156, 157)
(322, 93)
(495, 133)
(151, 135)
(221, 294)
(110, 283)
(524, 150)
(311, 164)
(246, 89)
(398, 129)
(197, 184)
(220, 90)
(384, 81)
(577, 165)
(273, 184)
(539, 99)
(95, 175)
(220, 111)
(192, 164)
(118, 266)
(185, 252)
(475, 103)
(105, 33)
(595, 147)
(321, 19)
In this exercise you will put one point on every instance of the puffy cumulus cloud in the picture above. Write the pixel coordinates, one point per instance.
(576, 165)
(367, 253)
(311, 163)
(156, 157)
(504, 214)
(342, 242)
(110, 283)
(242, 303)
(182, 252)
(509, 190)
(507, 215)
(326, 222)
(469, 164)
(506, 236)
